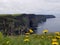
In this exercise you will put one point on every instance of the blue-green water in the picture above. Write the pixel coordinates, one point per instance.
(52, 25)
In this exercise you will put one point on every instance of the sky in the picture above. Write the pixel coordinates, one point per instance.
(30, 6)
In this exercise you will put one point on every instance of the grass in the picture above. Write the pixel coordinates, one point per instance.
(34, 39)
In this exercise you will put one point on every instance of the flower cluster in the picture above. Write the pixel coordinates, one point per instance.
(26, 39)
(55, 42)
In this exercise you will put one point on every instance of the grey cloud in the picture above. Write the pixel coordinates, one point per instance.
(29, 6)
(53, 1)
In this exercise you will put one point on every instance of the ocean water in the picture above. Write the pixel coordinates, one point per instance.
(52, 24)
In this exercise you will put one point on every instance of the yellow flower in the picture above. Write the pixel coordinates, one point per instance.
(27, 33)
(26, 36)
(7, 42)
(57, 33)
(31, 31)
(26, 40)
(55, 43)
(54, 40)
(45, 31)
(58, 37)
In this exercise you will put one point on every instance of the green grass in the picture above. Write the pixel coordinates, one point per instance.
(34, 39)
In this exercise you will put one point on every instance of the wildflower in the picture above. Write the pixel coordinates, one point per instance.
(26, 40)
(55, 43)
(57, 33)
(7, 42)
(26, 36)
(31, 31)
(58, 37)
(45, 31)
(54, 40)
(27, 33)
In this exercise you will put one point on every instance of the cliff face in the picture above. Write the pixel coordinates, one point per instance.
(32, 20)
(21, 23)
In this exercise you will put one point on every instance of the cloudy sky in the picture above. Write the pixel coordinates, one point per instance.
(30, 6)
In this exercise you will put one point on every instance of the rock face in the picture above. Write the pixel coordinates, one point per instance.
(21, 23)
(32, 20)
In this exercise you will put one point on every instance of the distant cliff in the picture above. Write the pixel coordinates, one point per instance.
(49, 16)
(18, 23)
(32, 20)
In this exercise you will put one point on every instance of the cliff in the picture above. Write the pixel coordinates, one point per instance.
(17, 23)
(50, 16)
(32, 20)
